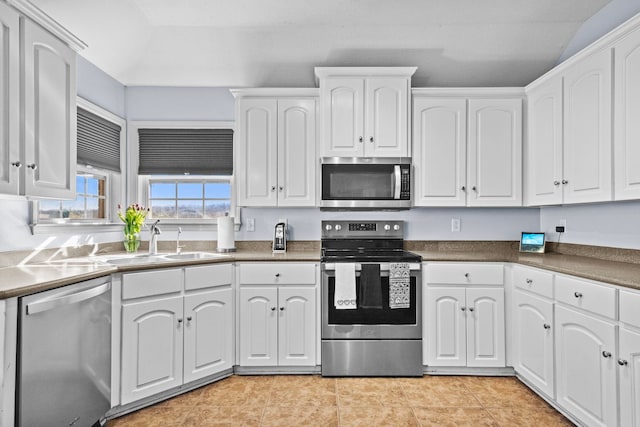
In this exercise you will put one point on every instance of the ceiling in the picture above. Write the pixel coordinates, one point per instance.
(276, 43)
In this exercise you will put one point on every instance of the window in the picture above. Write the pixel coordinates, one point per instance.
(90, 202)
(184, 170)
(99, 185)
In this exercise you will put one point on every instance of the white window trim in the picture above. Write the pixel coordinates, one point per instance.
(137, 188)
(116, 186)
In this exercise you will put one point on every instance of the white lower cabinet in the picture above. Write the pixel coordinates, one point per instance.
(629, 374)
(586, 367)
(533, 333)
(277, 326)
(277, 314)
(465, 327)
(177, 327)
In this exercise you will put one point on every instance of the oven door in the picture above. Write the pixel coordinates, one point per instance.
(372, 323)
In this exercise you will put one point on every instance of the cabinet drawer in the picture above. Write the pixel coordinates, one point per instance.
(532, 280)
(277, 274)
(465, 274)
(599, 299)
(630, 308)
(149, 283)
(208, 276)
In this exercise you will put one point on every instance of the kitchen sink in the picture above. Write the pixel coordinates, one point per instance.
(192, 255)
(135, 259)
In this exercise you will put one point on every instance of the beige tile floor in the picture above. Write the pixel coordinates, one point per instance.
(311, 400)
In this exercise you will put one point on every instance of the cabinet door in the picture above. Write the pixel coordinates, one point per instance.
(627, 110)
(439, 151)
(587, 130)
(9, 100)
(446, 332)
(533, 341)
(296, 152)
(485, 327)
(543, 164)
(586, 367)
(151, 347)
(386, 117)
(257, 155)
(208, 334)
(495, 152)
(49, 115)
(342, 117)
(297, 326)
(258, 326)
(629, 360)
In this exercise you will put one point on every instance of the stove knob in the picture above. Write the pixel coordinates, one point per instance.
(338, 227)
(387, 227)
(328, 227)
(396, 227)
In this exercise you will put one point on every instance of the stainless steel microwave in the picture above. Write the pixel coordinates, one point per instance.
(366, 183)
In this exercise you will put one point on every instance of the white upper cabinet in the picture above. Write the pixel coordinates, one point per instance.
(495, 152)
(587, 130)
(9, 99)
(439, 151)
(365, 111)
(276, 150)
(467, 151)
(626, 124)
(543, 166)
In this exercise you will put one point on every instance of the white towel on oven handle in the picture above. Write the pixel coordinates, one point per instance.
(345, 286)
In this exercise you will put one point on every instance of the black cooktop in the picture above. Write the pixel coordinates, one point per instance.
(345, 255)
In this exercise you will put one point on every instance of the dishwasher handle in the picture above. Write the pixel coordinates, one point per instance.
(50, 304)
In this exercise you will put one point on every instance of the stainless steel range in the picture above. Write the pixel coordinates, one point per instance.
(371, 300)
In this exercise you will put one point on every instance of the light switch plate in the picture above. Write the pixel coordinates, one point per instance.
(455, 225)
(251, 224)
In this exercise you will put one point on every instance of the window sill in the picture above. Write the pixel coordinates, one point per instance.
(87, 228)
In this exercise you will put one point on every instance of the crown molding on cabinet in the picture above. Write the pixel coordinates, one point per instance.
(469, 92)
(271, 92)
(605, 42)
(322, 72)
(50, 24)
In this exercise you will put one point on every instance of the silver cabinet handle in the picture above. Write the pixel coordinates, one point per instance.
(529, 281)
(463, 188)
(189, 318)
(17, 164)
(281, 308)
(466, 275)
(622, 362)
(577, 294)
(546, 326)
(273, 188)
(565, 182)
(474, 188)
(360, 139)
(277, 275)
(32, 166)
(556, 183)
(463, 308)
(370, 139)
(273, 309)
(471, 308)
(281, 188)
(606, 354)
(179, 321)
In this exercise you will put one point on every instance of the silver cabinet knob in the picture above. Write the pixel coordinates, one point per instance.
(474, 188)
(546, 326)
(17, 164)
(277, 275)
(273, 309)
(281, 308)
(371, 139)
(565, 182)
(189, 318)
(463, 188)
(556, 183)
(606, 354)
(179, 321)
(577, 294)
(360, 139)
(273, 188)
(471, 308)
(622, 362)
(32, 166)
(281, 188)
(466, 275)
(463, 308)
(529, 281)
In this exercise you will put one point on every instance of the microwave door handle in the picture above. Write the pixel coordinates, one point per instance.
(396, 174)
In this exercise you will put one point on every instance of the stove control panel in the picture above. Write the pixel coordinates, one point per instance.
(362, 229)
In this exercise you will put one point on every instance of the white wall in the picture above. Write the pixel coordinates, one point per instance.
(422, 223)
(179, 103)
(605, 20)
(96, 86)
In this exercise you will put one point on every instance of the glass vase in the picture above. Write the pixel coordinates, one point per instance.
(131, 242)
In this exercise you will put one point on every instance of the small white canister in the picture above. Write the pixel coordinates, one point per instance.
(226, 234)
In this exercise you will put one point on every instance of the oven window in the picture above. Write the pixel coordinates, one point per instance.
(373, 316)
(357, 182)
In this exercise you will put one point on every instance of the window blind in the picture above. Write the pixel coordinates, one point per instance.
(185, 151)
(98, 141)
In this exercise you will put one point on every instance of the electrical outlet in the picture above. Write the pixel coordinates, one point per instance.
(251, 224)
(455, 225)
(563, 223)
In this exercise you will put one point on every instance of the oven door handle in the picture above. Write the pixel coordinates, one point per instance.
(398, 182)
(384, 266)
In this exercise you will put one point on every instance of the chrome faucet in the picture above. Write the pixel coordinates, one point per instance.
(178, 247)
(154, 232)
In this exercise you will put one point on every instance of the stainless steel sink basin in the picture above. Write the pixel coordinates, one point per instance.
(192, 255)
(135, 259)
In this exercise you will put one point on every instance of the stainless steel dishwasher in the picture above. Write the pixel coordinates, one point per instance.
(64, 360)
